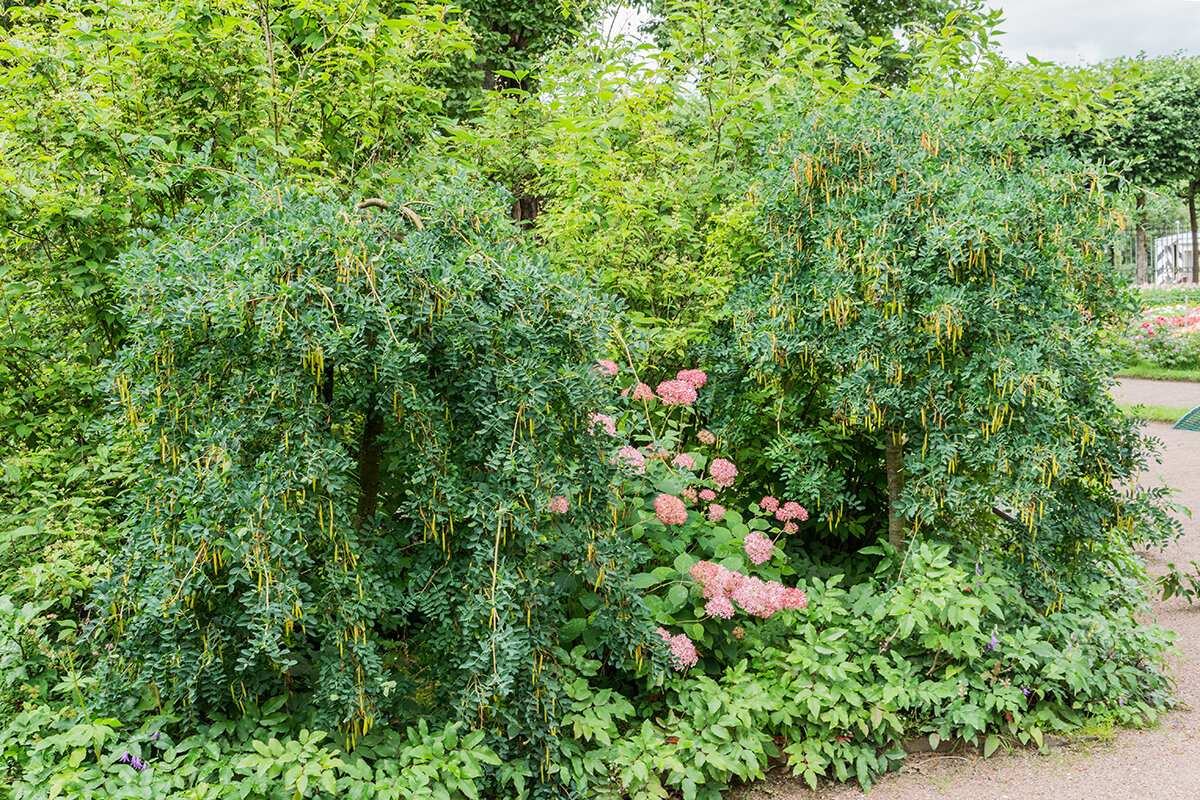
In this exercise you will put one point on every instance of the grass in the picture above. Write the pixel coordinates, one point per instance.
(1155, 298)
(1156, 413)
(1144, 369)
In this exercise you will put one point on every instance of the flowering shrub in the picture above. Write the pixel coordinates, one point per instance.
(1166, 340)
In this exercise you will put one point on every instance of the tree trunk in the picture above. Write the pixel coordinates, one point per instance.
(894, 462)
(1192, 215)
(369, 456)
(1140, 237)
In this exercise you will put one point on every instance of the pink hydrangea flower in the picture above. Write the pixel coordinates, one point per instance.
(768, 504)
(790, 527)
(791, 510)
(795, 598)
(677, 393)
(719, 606)
(708, 495)
(739, 632)
(633, 458)
(688, 494)
(755, 597)
(682, 650)
(716, 513)
(684, 461)
(695, 377)
(602, 421)
(643, 392)
(670, 510)
(706, 437)
(606, 367)
(758, 547)
(723, 472)
(559, 505)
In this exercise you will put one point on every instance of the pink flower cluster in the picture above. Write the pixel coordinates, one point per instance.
(706, 437)
(682, 649)
(758, 547)
(716, 513)
(695, 377)
(723, 587)
(606, 368)
(684, 461)
(723, 472)
(604, 421)
(670, 510)
(791, 510)
(768, 504)
(677, 393)
(559, 505)
(633, 458)
(708, 495)
(688, 494)
(643, 392)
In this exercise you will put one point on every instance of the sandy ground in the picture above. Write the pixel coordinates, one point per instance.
(1159, 763)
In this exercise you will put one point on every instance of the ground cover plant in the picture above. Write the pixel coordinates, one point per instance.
(580, 490)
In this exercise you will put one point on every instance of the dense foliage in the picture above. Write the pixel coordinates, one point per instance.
(404, 499)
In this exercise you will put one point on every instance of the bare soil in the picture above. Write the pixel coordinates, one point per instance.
(1157, 763)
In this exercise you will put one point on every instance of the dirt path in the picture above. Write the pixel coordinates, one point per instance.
(1162, 763)
(1172, 394)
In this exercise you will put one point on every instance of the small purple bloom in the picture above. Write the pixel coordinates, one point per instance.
(1026, 691)
(154, 736)
(978, 570)
(993, 644)
(132, 760)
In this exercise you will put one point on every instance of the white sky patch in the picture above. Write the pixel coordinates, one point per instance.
(1087, 31)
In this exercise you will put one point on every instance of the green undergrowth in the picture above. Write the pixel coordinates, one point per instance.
(940, 643)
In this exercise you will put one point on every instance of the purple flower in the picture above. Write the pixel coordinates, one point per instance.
(132, 760)
(1025, 690)
(993, 644)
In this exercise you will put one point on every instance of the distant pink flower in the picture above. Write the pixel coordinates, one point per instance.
(719, 606)
(768, 504)
(695, 377)
(670, 510)
(688, 494)
(790, 527)
(559, 505)
(604, 421)
(723, 472)
(706, 437)
(716, 513)
(682, 650)
(677, 393)
(643, 392)
(708, 495)
(606, 367)
(684, 461)
(758, 547)
(633, 458)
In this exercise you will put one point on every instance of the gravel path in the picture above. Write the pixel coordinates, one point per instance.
(1161, 763)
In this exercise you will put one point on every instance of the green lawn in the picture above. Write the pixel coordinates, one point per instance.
(1156, 413)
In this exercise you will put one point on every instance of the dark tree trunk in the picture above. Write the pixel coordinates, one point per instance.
(1140, 237)
(1192, 216)
(894, 463)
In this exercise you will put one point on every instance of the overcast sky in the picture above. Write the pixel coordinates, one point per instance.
(1076, 31)
(1086, 31)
